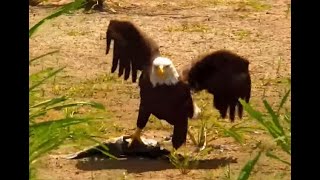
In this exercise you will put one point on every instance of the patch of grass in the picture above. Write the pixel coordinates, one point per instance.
(48, 134)
(209, 175)
(278, 125)
(208, 127)
(238, 5)
(203, 3)
(243, 16)
(212, 2)
(183, 162)
(100, 86)
(242, 34)
(227, 173)
(77, 33)
(256, 5)
(157, 124)
(248, 168)
(189, 27)
(288, 10)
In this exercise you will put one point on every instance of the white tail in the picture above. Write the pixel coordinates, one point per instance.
(196, 111)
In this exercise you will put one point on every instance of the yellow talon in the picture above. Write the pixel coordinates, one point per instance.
(136, 136)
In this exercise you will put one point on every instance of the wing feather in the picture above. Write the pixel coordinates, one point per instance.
(132, 50)
(223, 74)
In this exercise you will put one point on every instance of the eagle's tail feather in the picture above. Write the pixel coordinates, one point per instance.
(196, 111)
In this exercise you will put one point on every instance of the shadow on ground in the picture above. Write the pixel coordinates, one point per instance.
(136, 165)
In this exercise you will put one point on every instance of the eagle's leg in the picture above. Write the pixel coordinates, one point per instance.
(136, 136)
(143, 118)
(180, 131)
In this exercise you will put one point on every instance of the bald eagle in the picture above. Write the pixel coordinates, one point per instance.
(164, 92)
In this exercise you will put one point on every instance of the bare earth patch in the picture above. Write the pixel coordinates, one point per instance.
(257, 30)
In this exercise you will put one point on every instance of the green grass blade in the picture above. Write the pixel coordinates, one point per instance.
(247, 169)
(235, 135)
(36, 114)
(50, 102)
(249, 129)
(267, 124)
(259, 117)
(46, 78)
(287, 118)
(275, 118)
(253, 113)
(271, 155)
(60, 123)
(285, 143)
(202, 136)
(230, 132)
(44, 110)
(46, 146)
(43, 55)
(105, 148)
(36, 77)
(92, 104)
(289, 81)
(284, 100)
(77, 4)
(193, 139)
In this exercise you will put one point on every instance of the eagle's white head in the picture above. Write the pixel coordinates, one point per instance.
(163, 72)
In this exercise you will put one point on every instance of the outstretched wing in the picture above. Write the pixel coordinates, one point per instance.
(226, 76)
(132, 49)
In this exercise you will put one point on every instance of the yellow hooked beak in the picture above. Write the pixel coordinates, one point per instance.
(160, 71)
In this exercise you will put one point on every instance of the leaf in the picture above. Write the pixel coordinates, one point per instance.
(77, 4)
(92, 104)
(253, 113)
(46, 146)
(287, 118)
(43, 55)
(60, 123)
(40, 74)
(50, 102)
(46, 78)
(271, 155)
(259, 117)
(103, 146)
(193, 139)
(274, 117)
(283, 100)
(36, 114)
(238, 128)
(247, 169)
(238, 137)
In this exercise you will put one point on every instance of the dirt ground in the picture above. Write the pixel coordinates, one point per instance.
(184, 29)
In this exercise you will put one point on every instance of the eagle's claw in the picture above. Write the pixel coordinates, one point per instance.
(136, 137)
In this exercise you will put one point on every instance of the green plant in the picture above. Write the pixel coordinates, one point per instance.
(247, 169)
(278, 125)
(209, 128)
(45, 136)
(182, 162)
(227, 173)
(68, 8)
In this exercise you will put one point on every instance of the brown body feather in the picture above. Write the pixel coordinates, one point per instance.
(170, 103)
(221, 73)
